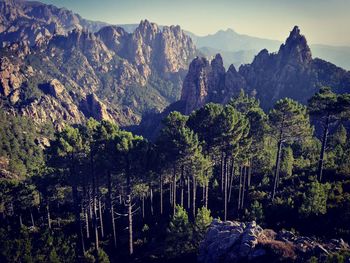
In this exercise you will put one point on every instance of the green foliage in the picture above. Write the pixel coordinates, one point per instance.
(179, 235)
(89, 256)
(19, 145)
(202, 222)
(287, 161)
(315, 199)
(256, 212)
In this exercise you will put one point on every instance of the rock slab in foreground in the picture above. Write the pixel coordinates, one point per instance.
(233, 241)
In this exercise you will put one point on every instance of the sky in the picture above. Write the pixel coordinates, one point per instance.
(321, 21)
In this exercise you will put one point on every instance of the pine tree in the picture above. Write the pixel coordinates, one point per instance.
(289, 122)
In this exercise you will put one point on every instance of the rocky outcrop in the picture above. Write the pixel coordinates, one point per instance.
(233, 241)
(292, 72)
(209, 82)
(31, 21)
(93, 107)
(10, 79)
(61, 58)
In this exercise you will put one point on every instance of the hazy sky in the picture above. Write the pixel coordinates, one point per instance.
(322, 21)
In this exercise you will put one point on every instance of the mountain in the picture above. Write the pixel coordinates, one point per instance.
(52, 73)
(240, 49)
(291, 72)
(31, 21)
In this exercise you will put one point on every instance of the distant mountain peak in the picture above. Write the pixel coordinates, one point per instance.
(296, 48)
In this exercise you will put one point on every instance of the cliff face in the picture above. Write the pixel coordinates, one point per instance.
(292, 72)
(208, 82)
(31, 21)
(104, 72)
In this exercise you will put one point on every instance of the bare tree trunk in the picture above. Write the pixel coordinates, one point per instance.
(182, 186)
(113, 227)
(206, 194)
(111, 208)
(32, 218)
(240, 187)
(231, 179)
(87, 224)
(225, 188)
(249, 173)
(244, 184)
(48, 215)
(151, 198)
(171, 194)
(129, 205)
(143, 206)
(277, 168)
(174, 191)
(76, 203)
(161, 193)
(101, 217)
(20, 220)
(222, 171)
(323, 149)
(203, 195)
(194, 197)
(188, 193)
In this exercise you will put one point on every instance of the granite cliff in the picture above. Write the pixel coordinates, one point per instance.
(56, 66)
(292, 72)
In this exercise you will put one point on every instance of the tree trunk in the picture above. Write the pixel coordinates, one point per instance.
(194, 197)
(48, 215)
(143, 206)
(171, 194)
(20, 220)
(87, 224)
(225, 188)
(277, 168)
(323, 149)
(188, 193)
(231, 179)
(206, 194)
(249, 172)
(101, 217)
(113, 227)
(244, 186)
(94, 203)
(111, 208)
(76, 203)
(182, 186)
(222, 171)
(129, 205)
(161, 193)
(151, 199)
(174, 191)
(32, 218)
(240, 187)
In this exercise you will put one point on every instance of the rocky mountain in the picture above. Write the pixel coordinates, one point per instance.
(233, 241)
(240, 49)
(52, 73)
(209, 82)
(31, 21)
(291, 72)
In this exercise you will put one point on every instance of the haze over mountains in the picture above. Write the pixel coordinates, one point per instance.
(59, 67)
(238, 49)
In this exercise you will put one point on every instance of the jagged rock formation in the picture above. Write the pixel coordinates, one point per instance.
(232, 241)
(289, 73)
(56, 66)
(208, 82)
(31, 21)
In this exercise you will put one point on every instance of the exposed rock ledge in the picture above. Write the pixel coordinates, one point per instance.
(233, 241)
